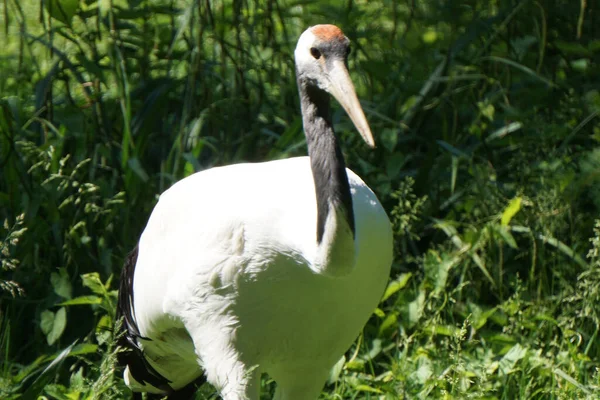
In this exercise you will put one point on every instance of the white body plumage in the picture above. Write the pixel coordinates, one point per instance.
(226, 277)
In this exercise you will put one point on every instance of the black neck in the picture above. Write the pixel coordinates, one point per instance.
(327, 161)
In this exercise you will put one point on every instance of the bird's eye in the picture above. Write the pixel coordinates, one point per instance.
(315, 52)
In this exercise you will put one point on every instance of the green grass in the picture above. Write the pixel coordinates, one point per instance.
(486, 116)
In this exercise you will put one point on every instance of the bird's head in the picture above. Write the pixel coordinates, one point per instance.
(321, 59)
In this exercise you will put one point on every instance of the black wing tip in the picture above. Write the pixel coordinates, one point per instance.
(132, 355)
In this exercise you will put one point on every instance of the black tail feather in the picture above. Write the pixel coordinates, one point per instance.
(132, 355)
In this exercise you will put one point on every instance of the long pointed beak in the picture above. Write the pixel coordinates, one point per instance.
(343, 90)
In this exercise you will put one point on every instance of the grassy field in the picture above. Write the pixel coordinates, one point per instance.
(487, 119)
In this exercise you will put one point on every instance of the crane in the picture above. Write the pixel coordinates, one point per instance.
(255, 268)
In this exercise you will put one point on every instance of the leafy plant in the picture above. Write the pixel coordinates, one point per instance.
(7, 262)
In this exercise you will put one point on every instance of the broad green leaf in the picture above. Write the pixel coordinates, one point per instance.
(415, 308)
(444, 330)
(375, 349)
(504, 233)
(93, 282)
(105, 323)
(77, 380)
(408, 104)
(58, 326)
(60, 392)
(423, 373)
(511, 210)
(482, 318)
(388, 323)
(62, 10)
(365, 388)
(379, 312)
(337, 369)
(438, 272)
(82, 300)
(510, 359)
(396, 285)
(487, 110)
(61, 284)
(84, 348)
(581, 65)
(53, 324)
(103, 336)
(46, 321)
(355, 365)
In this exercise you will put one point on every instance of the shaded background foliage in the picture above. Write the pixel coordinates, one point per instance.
(486, 118)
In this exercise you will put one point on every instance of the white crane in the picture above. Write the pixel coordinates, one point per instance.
(272, 267)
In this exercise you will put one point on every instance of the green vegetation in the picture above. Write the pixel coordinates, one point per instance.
(487, 117)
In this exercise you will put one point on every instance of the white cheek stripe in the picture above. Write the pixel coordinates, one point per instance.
(302, 52)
